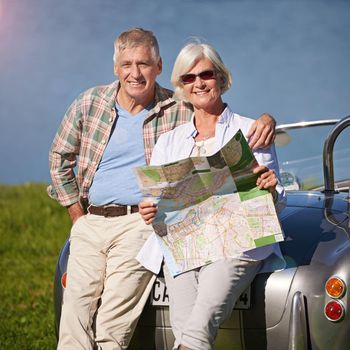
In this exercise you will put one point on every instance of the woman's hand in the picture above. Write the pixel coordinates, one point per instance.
(148, 211)
(267, 179)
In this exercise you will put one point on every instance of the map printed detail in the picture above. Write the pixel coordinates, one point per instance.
(209, 208)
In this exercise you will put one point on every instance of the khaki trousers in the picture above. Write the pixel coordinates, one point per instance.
(106, 286)
(202, 299)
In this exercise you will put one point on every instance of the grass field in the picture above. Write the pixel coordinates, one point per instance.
(33, 228)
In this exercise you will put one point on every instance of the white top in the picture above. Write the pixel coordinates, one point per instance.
(204, 148)
(179, 144)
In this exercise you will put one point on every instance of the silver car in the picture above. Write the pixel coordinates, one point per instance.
(305, 306)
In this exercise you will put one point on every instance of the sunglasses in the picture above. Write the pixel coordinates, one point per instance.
(190, 78)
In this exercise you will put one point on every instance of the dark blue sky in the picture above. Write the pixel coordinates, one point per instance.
(289, 58)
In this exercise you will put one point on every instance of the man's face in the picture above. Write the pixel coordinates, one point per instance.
(137, 70)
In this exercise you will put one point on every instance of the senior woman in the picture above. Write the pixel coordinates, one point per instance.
(201, 299)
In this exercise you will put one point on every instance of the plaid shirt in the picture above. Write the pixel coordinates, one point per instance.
(84, 133)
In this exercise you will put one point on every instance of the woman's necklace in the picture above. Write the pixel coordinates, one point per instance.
(200, 137)
(207, 132)
(201, 145)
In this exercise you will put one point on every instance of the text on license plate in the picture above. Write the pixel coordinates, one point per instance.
(160, 297)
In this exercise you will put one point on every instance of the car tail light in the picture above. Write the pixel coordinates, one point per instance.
(64, 280)
(334, 310)
(335, 287)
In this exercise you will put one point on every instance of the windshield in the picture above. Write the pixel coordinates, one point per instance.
(300, 157)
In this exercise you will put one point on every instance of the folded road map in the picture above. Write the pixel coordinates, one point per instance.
(210, 208)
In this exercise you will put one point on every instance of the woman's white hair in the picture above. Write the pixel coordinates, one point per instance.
(189, 55)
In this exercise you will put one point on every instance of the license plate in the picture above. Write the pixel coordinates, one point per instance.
(160, 297)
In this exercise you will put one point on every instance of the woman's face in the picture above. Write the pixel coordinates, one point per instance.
(204, 92)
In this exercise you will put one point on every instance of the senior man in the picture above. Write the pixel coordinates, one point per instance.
(106, 132)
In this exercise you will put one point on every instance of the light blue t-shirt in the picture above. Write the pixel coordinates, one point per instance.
(114, 180)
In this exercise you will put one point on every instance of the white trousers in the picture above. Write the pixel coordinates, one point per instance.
(202, 299)
(106, 286)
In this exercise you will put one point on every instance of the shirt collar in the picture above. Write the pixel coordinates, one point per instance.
(225, 116)
(224, 120)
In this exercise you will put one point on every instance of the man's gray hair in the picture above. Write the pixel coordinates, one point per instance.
(189, 55)
(136, 37)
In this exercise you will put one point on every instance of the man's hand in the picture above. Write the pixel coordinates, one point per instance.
(148, 211)
(262, 132)
(75, 211)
